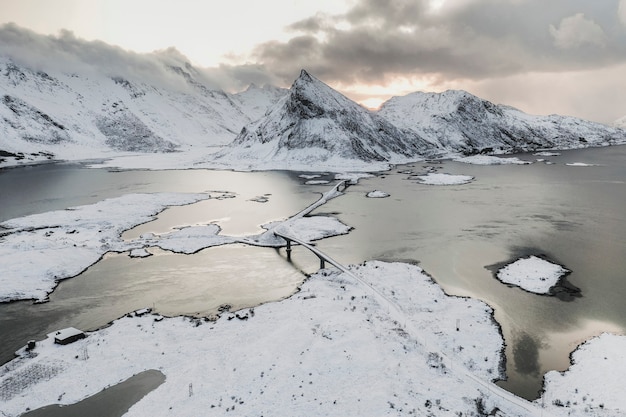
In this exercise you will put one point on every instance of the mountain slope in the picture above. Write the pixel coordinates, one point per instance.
(315, 124)
(91, 114)
(461, 122)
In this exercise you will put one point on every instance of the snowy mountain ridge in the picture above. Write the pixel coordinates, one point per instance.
(462, 122)
(110, 103)
(314, 124)
(90, 115)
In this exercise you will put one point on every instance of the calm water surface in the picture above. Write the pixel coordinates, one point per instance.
(172, 284)
(572, 215)
(114, 401)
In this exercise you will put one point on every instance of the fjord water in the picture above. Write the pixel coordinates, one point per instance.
(573, 215)
(173, 284)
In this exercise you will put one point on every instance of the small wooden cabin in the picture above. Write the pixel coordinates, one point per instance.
(67, 336)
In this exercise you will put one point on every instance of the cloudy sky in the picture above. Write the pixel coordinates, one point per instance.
(543, 56)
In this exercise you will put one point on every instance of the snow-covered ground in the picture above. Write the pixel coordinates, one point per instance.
(345, 344)
(334, 348)
(491, 160)
(593, 384)
(440, 178)
(532, 274)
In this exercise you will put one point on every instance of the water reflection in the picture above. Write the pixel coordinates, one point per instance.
(526, 355)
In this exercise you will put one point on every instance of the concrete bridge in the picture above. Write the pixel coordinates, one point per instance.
(321, 255)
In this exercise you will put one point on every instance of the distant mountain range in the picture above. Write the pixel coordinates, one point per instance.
(83, 115)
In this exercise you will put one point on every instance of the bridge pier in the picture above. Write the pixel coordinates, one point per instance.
(322, 263)
(288, 249)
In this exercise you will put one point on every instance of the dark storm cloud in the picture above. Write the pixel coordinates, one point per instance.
(471, 39)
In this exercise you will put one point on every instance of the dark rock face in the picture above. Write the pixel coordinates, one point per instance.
(43, 128)
(125, 132)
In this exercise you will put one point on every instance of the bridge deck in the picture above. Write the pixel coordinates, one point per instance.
(321, 255)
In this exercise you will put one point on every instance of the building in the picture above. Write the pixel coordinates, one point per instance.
(67, 336)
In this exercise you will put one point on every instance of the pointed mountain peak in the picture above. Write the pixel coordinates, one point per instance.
(306, 79)
(305, 75)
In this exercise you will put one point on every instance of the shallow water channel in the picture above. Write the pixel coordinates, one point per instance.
(572, 215)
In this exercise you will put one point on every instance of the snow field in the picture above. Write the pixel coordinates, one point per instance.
(332, 348)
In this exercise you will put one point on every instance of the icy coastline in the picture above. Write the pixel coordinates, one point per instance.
(333, 348)
(592, 385)
(42, 249)
(317, 351)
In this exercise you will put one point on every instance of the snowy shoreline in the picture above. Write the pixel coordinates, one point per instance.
(77, 225)
(335, 347)
(43, 249)
(336, 333)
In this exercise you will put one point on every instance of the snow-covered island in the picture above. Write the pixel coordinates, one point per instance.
(491, 160)
(322, 351)
(377, 194)
(533, 274)
(580, 164)
(440, 178)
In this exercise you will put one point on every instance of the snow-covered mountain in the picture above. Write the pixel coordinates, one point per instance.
(315, 124)
(461, 122)
(90, 114)
(621, 123)
(66, 98)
